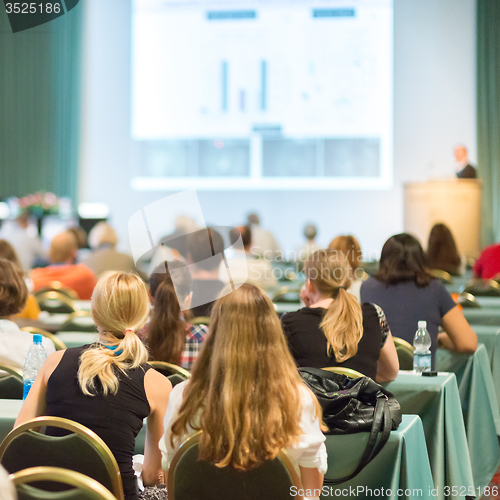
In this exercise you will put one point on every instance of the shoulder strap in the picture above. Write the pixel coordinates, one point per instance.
(382, 417)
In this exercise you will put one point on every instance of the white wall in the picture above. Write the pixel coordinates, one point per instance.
(434, 109)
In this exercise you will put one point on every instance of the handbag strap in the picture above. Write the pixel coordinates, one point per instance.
(381, 420)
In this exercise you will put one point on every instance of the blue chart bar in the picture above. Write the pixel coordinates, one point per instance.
(242, 100)
(333, 13)
(224, 85)
(263, 90)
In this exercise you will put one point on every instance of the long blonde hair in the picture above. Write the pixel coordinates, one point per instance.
(119, 307)
(330, 272)
(245, 383)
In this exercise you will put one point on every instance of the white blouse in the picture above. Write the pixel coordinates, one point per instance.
(309, 451)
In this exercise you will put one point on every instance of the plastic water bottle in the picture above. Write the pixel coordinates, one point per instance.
(34, 361)
(422, 344)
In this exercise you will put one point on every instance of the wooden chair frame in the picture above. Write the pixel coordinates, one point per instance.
(91, 487)
(57, 286)
(348, 372)
(443, 276)
(85, 433)
(200, 320)
(486, 284)
(61, 297)
(170, 367)
(195, 439)
(12, 370)
(58, 343)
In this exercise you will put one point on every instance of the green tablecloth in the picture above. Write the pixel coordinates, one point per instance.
(479, 407)
(483, 316)
(436, 400)
(489, 302)
(490, 337)
(403, 464)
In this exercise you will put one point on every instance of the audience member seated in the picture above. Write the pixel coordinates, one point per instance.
(31, 309)
(487, 265)
(114, 372)
(246, 395)
(408, 293)
(334, 329)
(264, 244)
(14, 343)
(442, 251)
(350, 248)
(245, 267)
(104, 257)
(205, 267)
(310, 246)
(169, 336)
(78, 277)
(28, 246)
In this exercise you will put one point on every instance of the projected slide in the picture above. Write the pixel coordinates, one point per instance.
(282, 92)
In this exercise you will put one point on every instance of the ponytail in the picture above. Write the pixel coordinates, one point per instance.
(120, 306)
(343, 326)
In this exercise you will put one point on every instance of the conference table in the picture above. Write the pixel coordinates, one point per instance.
(400, 471)
(437, 401)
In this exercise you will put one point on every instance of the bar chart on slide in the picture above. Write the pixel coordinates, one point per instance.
(213, 70)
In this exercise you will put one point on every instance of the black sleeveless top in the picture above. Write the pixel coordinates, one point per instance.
(307, 342)
(117, 419)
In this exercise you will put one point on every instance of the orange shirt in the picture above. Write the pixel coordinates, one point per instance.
(31, 309)
(78, 277)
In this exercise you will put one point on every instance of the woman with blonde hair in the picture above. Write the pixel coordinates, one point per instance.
(246, 395)
(108, 386)
(334, 329)
(349, 247)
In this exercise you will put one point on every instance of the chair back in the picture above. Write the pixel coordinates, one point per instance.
(200, 320)
(11, 382)
(56, 302)
(482, 288)
(57, 286)
(58, 343)
(79, 321)
(467, 300)
(443, 276)
(272, 480)
(82, 451)
(287, 295)
(168, 369)
(348, 372)
(405, 353)
(84, 487)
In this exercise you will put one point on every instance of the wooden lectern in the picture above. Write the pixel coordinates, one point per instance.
(454, 202)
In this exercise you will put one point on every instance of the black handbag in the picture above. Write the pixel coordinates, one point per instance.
(354, 405)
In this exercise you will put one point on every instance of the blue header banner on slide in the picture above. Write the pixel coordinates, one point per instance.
(231, 15)
(334, 13)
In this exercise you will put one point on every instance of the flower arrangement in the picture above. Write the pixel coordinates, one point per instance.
(40, 204)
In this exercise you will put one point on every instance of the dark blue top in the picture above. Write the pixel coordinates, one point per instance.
(405, 305)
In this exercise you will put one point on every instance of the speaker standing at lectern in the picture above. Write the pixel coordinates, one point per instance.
(465, 170)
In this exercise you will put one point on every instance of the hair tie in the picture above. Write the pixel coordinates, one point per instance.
(335, 291)
(127, 330)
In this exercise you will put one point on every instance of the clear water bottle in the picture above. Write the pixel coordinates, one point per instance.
(422, 344)
(34, 361)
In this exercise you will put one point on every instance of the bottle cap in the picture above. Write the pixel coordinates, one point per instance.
(37, 338)
(422, 324)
